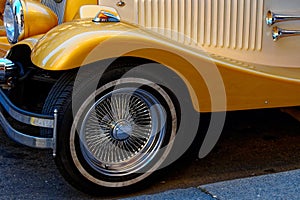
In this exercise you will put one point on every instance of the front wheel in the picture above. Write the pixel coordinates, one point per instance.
(113, 136)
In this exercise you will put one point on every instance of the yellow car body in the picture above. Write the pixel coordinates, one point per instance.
(230, 54)
(254, 77)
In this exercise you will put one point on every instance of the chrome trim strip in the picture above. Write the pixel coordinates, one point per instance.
(278, 33)
(273, 18)
(55, 132)
(31, 141)
(25, 117)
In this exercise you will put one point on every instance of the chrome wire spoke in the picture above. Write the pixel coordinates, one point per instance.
(118, 130)
(120, 106)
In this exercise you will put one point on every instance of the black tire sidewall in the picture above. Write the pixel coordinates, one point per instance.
(81, 91)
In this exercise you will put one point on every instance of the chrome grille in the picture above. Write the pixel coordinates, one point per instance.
(58, 8)
(236, 24)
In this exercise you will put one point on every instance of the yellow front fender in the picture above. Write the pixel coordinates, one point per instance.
(68, 45)
(78, 43)
(207, 77)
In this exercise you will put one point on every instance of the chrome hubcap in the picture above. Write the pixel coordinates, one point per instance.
(122, 130)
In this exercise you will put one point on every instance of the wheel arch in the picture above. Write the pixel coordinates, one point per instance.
(72, 45)
(134, 62)
(20, 53)
(184, 72)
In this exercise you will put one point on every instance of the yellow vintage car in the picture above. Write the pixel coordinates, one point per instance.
(116, 87)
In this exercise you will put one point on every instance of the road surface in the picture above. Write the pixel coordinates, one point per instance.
(253, 143)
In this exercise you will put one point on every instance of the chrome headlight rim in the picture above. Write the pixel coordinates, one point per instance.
(14, 20)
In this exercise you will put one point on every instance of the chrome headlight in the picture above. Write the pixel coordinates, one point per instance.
(14, 20)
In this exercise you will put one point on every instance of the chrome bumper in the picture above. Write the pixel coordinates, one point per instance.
(29, 118)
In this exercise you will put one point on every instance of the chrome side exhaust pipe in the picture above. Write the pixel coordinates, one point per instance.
(278, 33)
(273, 18)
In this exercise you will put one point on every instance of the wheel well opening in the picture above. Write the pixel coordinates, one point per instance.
(20, 53)
(125, 64)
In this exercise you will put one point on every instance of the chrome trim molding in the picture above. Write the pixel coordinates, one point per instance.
(54, 132)
(273, 18)
(278, 33)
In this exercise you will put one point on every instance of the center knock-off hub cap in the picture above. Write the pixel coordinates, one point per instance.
(121, 130)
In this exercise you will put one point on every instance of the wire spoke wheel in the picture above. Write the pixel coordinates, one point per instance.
(113, 133)
(122, 131)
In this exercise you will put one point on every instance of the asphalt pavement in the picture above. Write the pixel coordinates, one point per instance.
(253, 143)
(284, 185)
